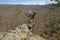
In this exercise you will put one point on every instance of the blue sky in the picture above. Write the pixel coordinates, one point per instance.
(27, 2)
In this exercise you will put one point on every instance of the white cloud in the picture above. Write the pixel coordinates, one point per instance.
(26, 3)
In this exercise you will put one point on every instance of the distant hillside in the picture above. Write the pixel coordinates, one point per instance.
(13, 15)
(9, 12)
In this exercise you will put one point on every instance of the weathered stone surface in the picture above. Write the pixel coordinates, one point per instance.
(20, 33)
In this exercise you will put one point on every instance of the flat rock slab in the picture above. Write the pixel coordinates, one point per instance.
(20, 33)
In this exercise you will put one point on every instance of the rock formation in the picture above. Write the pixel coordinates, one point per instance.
(30, 14)
(20, 33)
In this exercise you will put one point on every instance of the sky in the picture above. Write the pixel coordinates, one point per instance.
(26, 2)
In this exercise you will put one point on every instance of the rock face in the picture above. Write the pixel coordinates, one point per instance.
(30, 14)
(20, 33)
